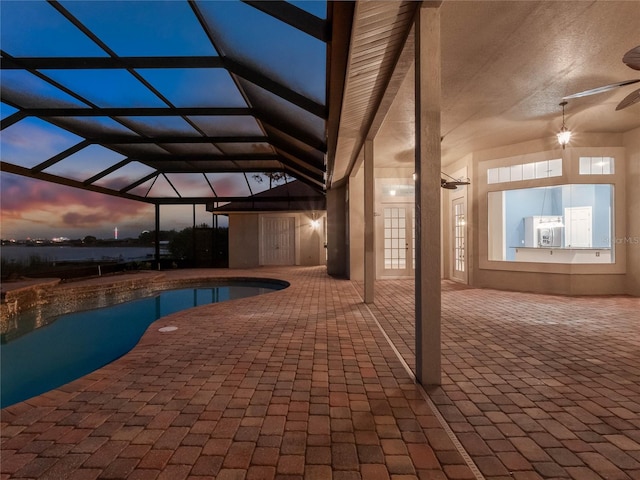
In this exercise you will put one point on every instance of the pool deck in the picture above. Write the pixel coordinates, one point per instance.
(306, 383)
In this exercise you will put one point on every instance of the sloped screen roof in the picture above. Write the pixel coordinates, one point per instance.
(165, 101)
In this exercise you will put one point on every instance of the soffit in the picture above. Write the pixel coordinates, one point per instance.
(379, 31)
(506, 67)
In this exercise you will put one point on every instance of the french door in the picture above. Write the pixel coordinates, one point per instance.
(458, 240)
(398, 240)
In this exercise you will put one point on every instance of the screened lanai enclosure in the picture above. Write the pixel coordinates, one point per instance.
(171, 102)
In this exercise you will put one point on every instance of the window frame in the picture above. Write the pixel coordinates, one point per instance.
(570, 175)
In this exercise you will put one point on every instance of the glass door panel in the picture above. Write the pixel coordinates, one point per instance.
(398, 233)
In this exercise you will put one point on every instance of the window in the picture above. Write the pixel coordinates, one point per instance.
(596, 165)
(525, 171)
(554, 224)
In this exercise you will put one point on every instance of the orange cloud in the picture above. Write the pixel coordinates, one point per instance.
(33, 204)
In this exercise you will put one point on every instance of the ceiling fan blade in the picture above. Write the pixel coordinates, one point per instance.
(632, 58)
(633, 97)
(602, 89)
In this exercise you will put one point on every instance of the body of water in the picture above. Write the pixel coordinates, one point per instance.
(76, 344)
(65, 253)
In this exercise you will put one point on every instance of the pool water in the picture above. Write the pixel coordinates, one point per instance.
(78, 343)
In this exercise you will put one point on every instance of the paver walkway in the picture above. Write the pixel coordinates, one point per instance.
(535, 386)
(302, 384)
(295, 384)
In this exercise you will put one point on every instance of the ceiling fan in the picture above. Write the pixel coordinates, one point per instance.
(632, 60)
(454, 183)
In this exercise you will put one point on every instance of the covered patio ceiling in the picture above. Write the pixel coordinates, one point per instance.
(506, 66)
(171, 102)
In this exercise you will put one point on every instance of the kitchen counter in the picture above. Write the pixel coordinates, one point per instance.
(563, 255)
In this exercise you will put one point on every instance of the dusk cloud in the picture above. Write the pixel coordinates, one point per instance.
(30, 204)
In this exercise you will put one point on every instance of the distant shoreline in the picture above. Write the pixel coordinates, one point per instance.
(75, 253)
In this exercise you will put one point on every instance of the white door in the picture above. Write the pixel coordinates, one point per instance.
(278, 241)
(398, 240)
(578, 225)
(459, 240)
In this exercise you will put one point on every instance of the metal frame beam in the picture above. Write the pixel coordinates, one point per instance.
(295, 17)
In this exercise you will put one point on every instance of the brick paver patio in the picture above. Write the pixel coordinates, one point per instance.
(302, 384)
(534, 386)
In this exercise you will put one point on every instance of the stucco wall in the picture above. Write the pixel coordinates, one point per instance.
(569, 279)
(244, 249)
(311, 244)
(356, 226)
(632, 145)
(244, 238)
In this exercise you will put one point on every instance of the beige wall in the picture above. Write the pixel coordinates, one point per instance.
(580, 279)
(356, 226)
(632, 145)
(244, 238)
(311, 239)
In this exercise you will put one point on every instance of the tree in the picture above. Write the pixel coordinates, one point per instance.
(181, 243)
(274, 178)
(146, 237)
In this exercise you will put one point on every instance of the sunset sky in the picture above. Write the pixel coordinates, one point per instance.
(35, 209)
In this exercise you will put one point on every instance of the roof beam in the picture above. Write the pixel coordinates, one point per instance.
(156, 162)
(107, 171)
(130, 139)
(295, 17)
(47, 177)
(61, 156)
(107, 63)
(195, 157)
(189, 169)
(272, 122)
(11, 119)
(204, 200)
(44, 63)
(290, 165)
(312, 182)
(298, 154)
(139, 182)
(136, 112)
(276, 88)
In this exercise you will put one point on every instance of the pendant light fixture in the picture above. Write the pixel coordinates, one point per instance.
(564, 135)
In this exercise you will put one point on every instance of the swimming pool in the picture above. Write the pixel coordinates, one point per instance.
(78, 343)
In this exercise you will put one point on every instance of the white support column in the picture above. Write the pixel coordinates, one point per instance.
(369, 252)
(428, 166)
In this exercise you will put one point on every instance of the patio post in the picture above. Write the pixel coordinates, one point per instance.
(427, 167)
(369, 252)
